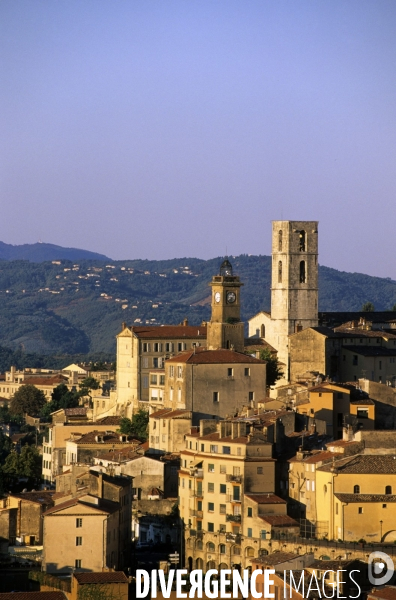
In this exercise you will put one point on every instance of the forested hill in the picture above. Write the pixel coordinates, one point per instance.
(41, 252)
(78, 307)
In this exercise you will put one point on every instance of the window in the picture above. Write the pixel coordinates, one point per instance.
(222, 527)
(171, 394)
(162, 380)
(250, 512)
(355, 359)
(230, 372)
(210, 506)
(78, 563)
(280, 271)
(249, 532)
(222, 549)
(211, 468)
(356, 489)
(226, 449)
(236, 471)
(302, 271)
(239, 451)
(280, 236)
(145, 382)
(223, 488)
(251, 396)
(259, 470)
(146, 347)
(181, 346)
(179, 372)
(388, 489)
(302, 241)
(360, 510)
(362, 413)
(168, 347)
(263, 534)
(202, 447)
(223, 469)
(210, 488)
(79, 541)
(78, 522)
(215, 396)
(199, 525)
(171, 371)
(223, 509)
(247, 372)
(384, 506)
(145, 362)
(157, 347)
(211, 527)
(179, 395)
(153, 380)
(214, 448)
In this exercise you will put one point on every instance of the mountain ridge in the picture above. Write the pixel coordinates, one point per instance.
(42, 252)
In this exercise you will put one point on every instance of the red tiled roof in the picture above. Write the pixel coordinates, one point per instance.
(45, 497)
(169, 331)
(53, 381)
(106, 506)
(110, 437)
(77, 411)
(386, 593)
(265, 498)
(279, 520)
(105, 577)
(315, 458)
(220, 356)
(168, 413)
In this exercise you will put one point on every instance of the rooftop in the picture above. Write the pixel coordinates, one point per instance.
(386, 593)
(276, 558)
(33, 596)
(105, 577)
(168, 413)
(221, 356)
(352, 498)
(370, 464)
(169, 331)
(265, 498)
(279, 520)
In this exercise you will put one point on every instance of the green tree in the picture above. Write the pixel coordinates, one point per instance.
(274, 370)
(138, 426)
(394, 307)
(28, 399)
(88, 384)
(26, 464)
(62, 397)
(368, 307)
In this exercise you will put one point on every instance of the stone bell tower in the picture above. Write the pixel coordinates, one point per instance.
(225, 329)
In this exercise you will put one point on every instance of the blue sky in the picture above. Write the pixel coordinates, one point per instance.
(161, 129)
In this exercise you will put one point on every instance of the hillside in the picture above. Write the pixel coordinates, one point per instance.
(78, 306)
(41, 252)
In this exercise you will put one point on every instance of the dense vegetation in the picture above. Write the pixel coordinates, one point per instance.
(76, 308)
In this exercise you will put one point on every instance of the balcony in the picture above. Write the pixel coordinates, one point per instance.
(198, 473)
(234, 518)
(231, 498)
(196, 494)
(234, 478)
(196, 513)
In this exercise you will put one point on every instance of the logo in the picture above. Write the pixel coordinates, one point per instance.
(380, 568)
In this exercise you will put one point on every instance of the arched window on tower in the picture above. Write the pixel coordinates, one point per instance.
(280, 271)
(356, 489)
(280, 235)
(302, 240)
(302, 271)
(262, 331)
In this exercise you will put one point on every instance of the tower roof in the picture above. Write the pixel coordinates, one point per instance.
(226, 267)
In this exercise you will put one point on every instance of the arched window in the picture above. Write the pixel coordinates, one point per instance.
(388, 489)
(249, 552)
(199, 545)
(280, 271)
(356, 489)
(262, 331)
(222, 549)
(302, 271)
(210, 547)
(280, 235)
(302, 241)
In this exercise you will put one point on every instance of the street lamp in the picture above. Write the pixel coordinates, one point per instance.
(381, 530)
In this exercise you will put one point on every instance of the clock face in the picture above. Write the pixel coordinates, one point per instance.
(217, 296)
(231, 297)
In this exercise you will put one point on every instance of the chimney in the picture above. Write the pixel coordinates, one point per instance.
(12, 370)
(185, 322)
(123, 326)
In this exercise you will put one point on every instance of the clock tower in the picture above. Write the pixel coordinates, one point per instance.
(225, 329)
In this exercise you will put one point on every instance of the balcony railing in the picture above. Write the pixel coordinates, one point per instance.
(198, 473)
(196, 493)
(234, 478)
(231, 498)
(196, 513)
(234, 518)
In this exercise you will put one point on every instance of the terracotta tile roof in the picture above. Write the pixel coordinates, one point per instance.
(167, 413)
(332, 565)
(120, 480)
(106, 506)
(221, 356)
(349, 331)
(169, 331)
(370, 464)
(109, 421)
(386, 593)
(33, 596)
(46, 498)
(109, 437)
(265, 498)
(78, 411)
(106, 577)
(319, 456)
(253, 343)
(279, 520)
(353, 498)
(119, 455)
(53, 381)
(339, 443)
(371, 350)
